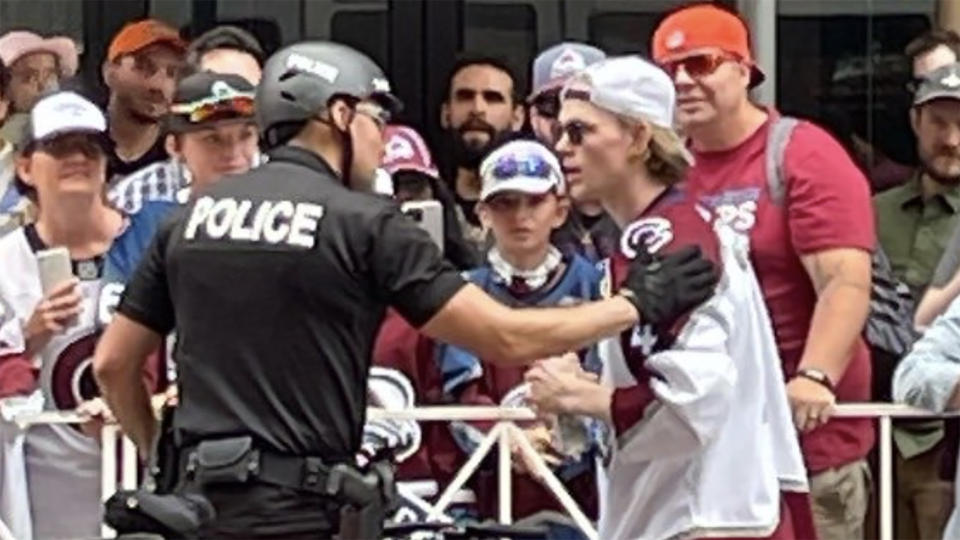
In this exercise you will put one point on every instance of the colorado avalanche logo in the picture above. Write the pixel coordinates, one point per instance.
(397, 148)
(72, 379)
(654, 233)
(569, 62)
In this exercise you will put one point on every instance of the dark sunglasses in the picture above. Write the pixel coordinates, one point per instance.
(513, 165)
(699, 65)
(375, 112)
(89, 144)
(576, 130)
(547, 104)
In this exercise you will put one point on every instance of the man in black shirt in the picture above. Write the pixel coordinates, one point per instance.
(277, 282)
(141, 70)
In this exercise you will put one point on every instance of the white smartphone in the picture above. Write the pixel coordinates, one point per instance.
(55, 267)
(429, 216)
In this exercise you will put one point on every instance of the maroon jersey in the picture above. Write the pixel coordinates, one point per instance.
(671, 222)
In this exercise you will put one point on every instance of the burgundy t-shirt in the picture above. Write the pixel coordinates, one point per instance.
(827, 205)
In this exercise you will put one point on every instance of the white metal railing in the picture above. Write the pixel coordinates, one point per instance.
(504, 433)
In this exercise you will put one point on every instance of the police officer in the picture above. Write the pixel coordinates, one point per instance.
(277, 281)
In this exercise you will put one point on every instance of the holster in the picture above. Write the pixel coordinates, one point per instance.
(155, 508)
(371, 498)
(171, 516)
(368, 496)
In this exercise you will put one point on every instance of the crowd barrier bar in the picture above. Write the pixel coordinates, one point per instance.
(506, 434)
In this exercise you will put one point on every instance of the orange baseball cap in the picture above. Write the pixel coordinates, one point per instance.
(141, 34)
(704, 26)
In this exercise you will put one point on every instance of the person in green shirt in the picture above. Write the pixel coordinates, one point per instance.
(914, 224)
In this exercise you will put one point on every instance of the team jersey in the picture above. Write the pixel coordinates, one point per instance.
(695, 400)
(468, 379)
(61, 464)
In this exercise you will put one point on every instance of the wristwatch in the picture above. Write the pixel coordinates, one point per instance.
(817, 376)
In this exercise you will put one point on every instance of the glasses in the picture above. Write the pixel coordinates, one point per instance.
(699, 65)
(375, 112)
(88, 144)
(37, 77)
(514, 165)
(202, 111)
(576, 130)
(547, 104)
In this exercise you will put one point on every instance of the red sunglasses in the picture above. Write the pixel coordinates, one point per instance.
(699, 65)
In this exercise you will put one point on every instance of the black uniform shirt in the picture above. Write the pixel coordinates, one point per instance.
(277, 281)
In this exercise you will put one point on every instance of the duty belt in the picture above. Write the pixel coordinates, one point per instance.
(236, 460)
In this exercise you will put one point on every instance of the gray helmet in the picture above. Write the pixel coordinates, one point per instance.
(300, 80)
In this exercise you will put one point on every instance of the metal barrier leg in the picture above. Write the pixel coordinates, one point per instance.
(464, 473)
(505, 473)
(886, 478)
(108, 469)
(130, 466)
(555, 486)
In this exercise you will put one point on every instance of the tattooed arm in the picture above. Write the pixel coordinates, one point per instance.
(841, 278)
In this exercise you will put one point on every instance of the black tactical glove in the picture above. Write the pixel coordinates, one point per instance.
(663, 288)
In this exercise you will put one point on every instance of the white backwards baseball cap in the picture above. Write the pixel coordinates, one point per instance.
(627, 86)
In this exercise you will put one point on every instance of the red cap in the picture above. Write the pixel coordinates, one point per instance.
(141, 34)
(405, 150)
(704, 26)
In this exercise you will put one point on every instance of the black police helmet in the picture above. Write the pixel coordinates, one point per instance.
(299, 82)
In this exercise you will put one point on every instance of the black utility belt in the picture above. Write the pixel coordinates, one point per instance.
(237, 460)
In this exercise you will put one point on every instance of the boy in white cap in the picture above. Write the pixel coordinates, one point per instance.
(522, 201)
(689, 403)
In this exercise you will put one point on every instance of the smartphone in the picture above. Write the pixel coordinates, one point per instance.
(429, 216)
(55, 267)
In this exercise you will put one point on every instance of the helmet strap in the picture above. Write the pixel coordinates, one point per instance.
(346, 164)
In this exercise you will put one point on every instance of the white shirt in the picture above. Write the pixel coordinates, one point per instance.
(720, 403)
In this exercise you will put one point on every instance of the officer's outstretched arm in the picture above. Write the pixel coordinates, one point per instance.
(657, 290)
(474, 320)
(118, 367)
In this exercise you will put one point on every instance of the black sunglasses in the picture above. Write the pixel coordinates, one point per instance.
(547, 104)
(89, 144)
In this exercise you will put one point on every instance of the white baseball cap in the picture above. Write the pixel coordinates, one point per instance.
(63, 112)
(627, 86)
(524, 166)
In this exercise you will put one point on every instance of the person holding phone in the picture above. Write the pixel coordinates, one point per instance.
(50, 318)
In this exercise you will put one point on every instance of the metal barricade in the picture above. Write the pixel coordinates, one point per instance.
(505, 433)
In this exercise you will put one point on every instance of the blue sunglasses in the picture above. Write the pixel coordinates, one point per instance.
(513, 165)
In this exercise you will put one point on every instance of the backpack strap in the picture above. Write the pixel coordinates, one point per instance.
(777, 139)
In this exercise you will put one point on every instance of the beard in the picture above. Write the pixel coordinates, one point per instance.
(467, 154)
(144, 110)
(941, 173)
